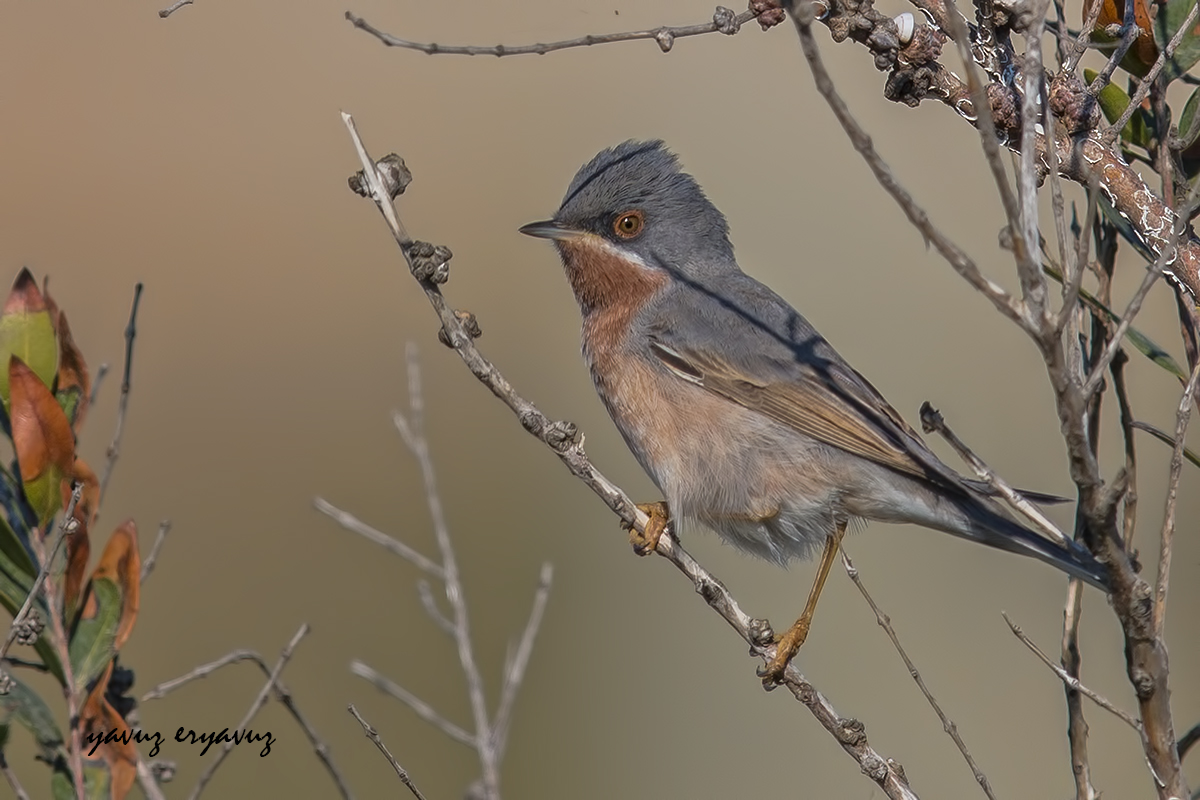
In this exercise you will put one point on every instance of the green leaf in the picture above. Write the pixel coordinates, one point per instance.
(1189, 121)
(1126, 230)
(27, 331)
(17, 575)
(1167, 439)
(26, 707)
(1113, 102)
(94, 640)
(1140, 341)
(1170, 17)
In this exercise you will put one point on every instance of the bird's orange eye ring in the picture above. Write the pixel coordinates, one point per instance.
(629, 224)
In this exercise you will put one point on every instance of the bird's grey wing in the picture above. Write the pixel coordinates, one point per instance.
(777, 365)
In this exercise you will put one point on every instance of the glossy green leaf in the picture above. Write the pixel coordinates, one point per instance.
(1170, 17)
(1113, 102)
(27, 331)
(1140, 341)
(94, 640)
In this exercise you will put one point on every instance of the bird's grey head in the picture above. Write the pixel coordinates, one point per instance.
(636, 198)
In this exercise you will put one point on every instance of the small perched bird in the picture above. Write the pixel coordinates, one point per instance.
(746, 419)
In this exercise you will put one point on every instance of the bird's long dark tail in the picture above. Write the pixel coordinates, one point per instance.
(992, 528)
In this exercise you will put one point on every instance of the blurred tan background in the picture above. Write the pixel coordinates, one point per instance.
(204, 155)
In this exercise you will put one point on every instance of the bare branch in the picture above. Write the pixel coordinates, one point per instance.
(514, 669)
(430, 605)
(373, 735)
(1071, 681)
(724, 21)
(259, 701)
(114, 447)
(1077, 727)
(422, 709)
(164, 528)
(353, 523)
(148, 781)
(948, 725)
(932, 420)
(1114, 344)
(282, 694)
(171, 9)
(13, 782)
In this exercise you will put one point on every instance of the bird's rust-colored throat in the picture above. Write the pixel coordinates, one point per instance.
(603, 280)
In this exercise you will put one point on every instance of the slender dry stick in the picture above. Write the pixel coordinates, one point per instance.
(171, 9)
(562, 438)
(514, 669)
(282, 694)
(724, 21)
(1070, 680)
(959, 260)
(425, 592)
(373, 735)
(1188, 739)
(259, 701)
(948, 725)
(1096, 377)
(414, 434)
(14, 783)
(1085, 34)
(101, 374)
(1129, 503)
(147, 781)
(419, 706)
(1077, 269)
(352, 523)
(164, 528)
(1144, 85)
(1183, 415)
(114, 448)
(1033, 280)
(932, 420)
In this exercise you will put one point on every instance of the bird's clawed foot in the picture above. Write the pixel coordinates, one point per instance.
(644, 542)
(786, 647)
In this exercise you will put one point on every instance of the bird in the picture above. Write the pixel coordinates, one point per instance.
(741, 413)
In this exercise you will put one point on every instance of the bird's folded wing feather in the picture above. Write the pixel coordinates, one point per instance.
(829, 402)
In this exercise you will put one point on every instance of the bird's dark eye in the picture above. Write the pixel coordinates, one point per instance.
(629, 224)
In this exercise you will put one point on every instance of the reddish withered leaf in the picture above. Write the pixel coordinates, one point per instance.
(73, 386)
(42, 438)
(117, 747)
(122, 564)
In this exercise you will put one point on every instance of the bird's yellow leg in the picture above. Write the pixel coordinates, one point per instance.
(789, 643)
(645, 541)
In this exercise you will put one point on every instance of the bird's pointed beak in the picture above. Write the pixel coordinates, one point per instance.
(551, 229)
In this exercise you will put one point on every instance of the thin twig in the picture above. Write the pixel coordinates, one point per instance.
(724, 21)
(514, 669)
(1026, 250)
(1129, 504)
(1072, 662)
(1153, 272)
(282, 694)
(1085, 33)
(101, 374)
(425, 592)
(1183, 415)
(259, 701)
(948, 725)
(932, 420)
(419, 706)
(562, 439)
(114, 448)
(171, 9)
(1129, 34)
(13, 782)
(1143, 89)
(373, 735)
(1071, 681)
(353, 523)
(489, 760)
(164, 528)
(1188, 739)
